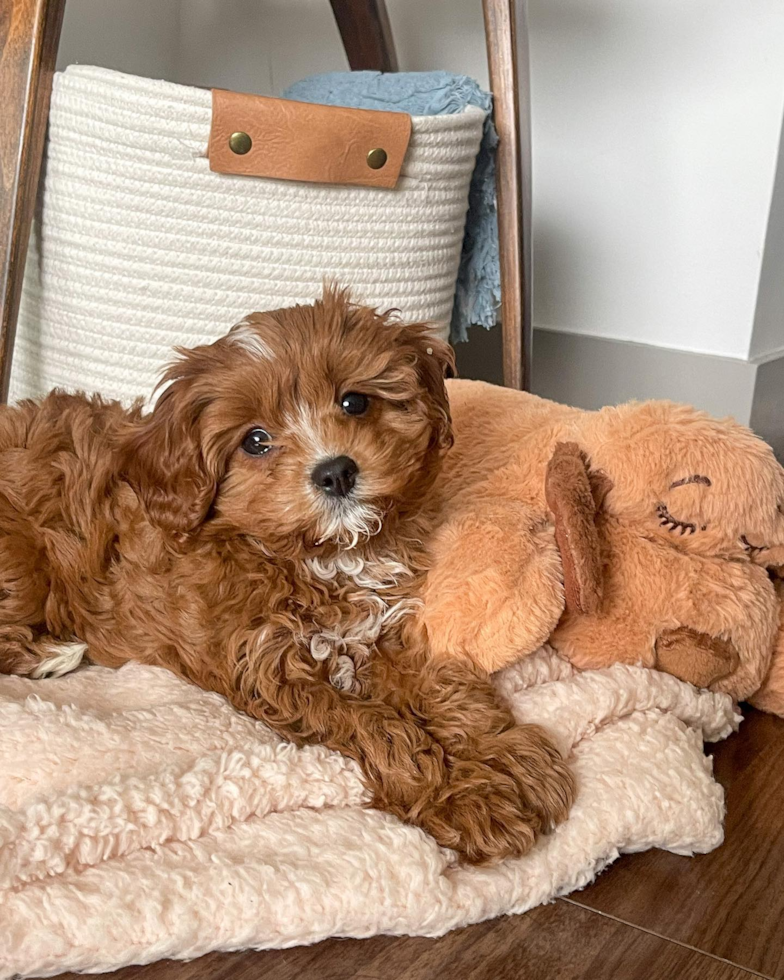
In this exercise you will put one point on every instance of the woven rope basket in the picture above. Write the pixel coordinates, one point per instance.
(139, 246)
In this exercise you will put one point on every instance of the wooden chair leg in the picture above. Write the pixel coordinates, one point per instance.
(366, 35)
(506, 30)
(29, 35)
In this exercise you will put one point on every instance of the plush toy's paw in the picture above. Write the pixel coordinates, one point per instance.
(574, 497)
(695, 657)
(498, 799)
(493, 593)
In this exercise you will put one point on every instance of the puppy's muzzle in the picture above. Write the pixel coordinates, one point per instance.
(335, 477)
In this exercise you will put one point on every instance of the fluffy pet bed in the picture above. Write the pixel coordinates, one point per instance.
(142, 818)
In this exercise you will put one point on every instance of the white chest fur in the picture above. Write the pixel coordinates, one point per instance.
(375, 591)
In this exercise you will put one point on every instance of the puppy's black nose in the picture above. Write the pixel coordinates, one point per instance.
(336, 477)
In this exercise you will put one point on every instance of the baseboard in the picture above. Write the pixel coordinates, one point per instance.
(593, 371)
(767, 411)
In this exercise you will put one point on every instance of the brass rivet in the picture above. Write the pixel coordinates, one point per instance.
(376, 158)
(240, 143)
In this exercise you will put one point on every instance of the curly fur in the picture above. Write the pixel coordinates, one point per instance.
(157, 539)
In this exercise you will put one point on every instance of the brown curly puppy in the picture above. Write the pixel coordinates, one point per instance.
(261, 533)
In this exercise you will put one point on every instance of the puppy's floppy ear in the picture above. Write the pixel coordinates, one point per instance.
(162, 458)
(435, 361)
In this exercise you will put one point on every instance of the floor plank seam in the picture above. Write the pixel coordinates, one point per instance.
(668, 939)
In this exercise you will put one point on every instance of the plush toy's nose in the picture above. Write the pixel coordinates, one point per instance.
(335, 477)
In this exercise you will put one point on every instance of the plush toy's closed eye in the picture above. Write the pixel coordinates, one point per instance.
(671, 523)
(696, 478)
(666, 520)
(675, 524)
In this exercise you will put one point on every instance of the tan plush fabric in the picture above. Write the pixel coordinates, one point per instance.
(690, 521)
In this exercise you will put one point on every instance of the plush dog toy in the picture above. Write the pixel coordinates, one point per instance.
(644, 534)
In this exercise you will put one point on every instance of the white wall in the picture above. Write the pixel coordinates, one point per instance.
(656, 131)
(265, 45)
(656, 135)
(256, 45)
(767, 340)
(137, 36)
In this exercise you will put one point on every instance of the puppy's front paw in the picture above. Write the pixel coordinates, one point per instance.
(499, 799)
(543, 781)
(480, 818)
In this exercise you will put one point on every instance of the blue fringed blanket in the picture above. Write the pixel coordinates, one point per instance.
(433, 93)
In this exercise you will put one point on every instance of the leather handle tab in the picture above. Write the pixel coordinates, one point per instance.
(304, 141)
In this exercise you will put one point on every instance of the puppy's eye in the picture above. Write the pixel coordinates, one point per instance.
(354, 403)
(257, 442)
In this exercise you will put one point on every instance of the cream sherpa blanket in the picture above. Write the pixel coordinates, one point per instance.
(142, 818)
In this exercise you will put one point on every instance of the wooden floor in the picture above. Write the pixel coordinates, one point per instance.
(651, 916)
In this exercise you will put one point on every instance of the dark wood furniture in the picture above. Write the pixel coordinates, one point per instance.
(366, 34)
(506, 33)
(29, 35)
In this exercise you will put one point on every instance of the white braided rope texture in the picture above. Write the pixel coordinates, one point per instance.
(139, 247)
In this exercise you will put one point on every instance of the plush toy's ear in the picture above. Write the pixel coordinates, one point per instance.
(695, 657)
(162, 458)
(574, 496)
(601, 485)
